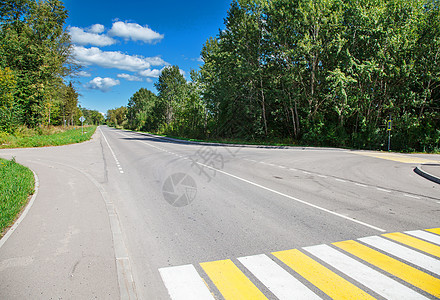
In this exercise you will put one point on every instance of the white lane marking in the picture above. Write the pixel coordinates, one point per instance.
(305, 172)
(284, 195)
(280, 282)
(183, 282)
(340, 180)
(293, 198)
(360, 184)
(112, 152)
(322, 176)
(367, 276)
(430, 237)
(402, 252)
(411, 196)
(383, 190)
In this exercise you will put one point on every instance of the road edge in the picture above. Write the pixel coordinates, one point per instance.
(231, 145)
(418, 170)
(25, 211)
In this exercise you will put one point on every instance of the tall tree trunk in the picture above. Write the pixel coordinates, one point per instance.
(263, 104)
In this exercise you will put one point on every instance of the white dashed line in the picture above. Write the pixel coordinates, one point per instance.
(360, 184)
(340, 180)
(411, 196)
(113, 153)
(322, 176)
(383, 190)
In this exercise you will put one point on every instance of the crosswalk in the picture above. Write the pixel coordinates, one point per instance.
(391, 266)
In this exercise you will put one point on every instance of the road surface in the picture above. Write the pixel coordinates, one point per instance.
(148, 218)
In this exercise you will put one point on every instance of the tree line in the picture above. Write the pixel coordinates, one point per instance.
(178, 109)
(314, 72)
(35, 59)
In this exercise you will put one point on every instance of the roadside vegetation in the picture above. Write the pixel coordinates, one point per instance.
(318, 73)
(16, 185)
(46, 136)
(36, 65)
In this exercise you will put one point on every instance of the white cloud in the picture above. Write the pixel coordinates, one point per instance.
(129, 77)
(155, 73)
(102, 84)
(115, 59)
(96, 28)
(91, 37)
(135, 32)
(84, 74)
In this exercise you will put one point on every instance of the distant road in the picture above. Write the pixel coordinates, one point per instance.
(185, 214)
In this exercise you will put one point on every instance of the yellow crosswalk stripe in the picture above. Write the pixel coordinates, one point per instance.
(230, 281)
(327, 281)
(403, 271)
(414, 242)
(434, 230)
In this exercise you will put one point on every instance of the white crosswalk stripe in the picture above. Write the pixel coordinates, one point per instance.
(280, 282)
(416, 258)
(425, 235)
(183, 282)
(363, 274)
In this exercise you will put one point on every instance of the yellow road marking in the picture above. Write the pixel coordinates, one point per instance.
(397, 157)
(414, 242)
(324, 279)
(230, 281)
(403, 271)
(434, 230)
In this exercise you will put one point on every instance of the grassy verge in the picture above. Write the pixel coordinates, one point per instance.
(274, 142)
(42, 137)
(16, 184)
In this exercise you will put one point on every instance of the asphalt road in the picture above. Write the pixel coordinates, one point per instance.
(144, 207)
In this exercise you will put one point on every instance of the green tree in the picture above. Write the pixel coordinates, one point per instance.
(144, 111)
(117, 117)
(171, 87)
(36, 46)
(326, 72)
(70, 104)
(8, 107)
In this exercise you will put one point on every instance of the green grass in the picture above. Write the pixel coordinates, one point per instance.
(43, 137)
(274, 142)
(16, 184)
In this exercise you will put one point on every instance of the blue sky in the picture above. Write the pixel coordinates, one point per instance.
(123, 45)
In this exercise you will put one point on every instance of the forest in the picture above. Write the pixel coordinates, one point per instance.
(35, 60)
(307, 72)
